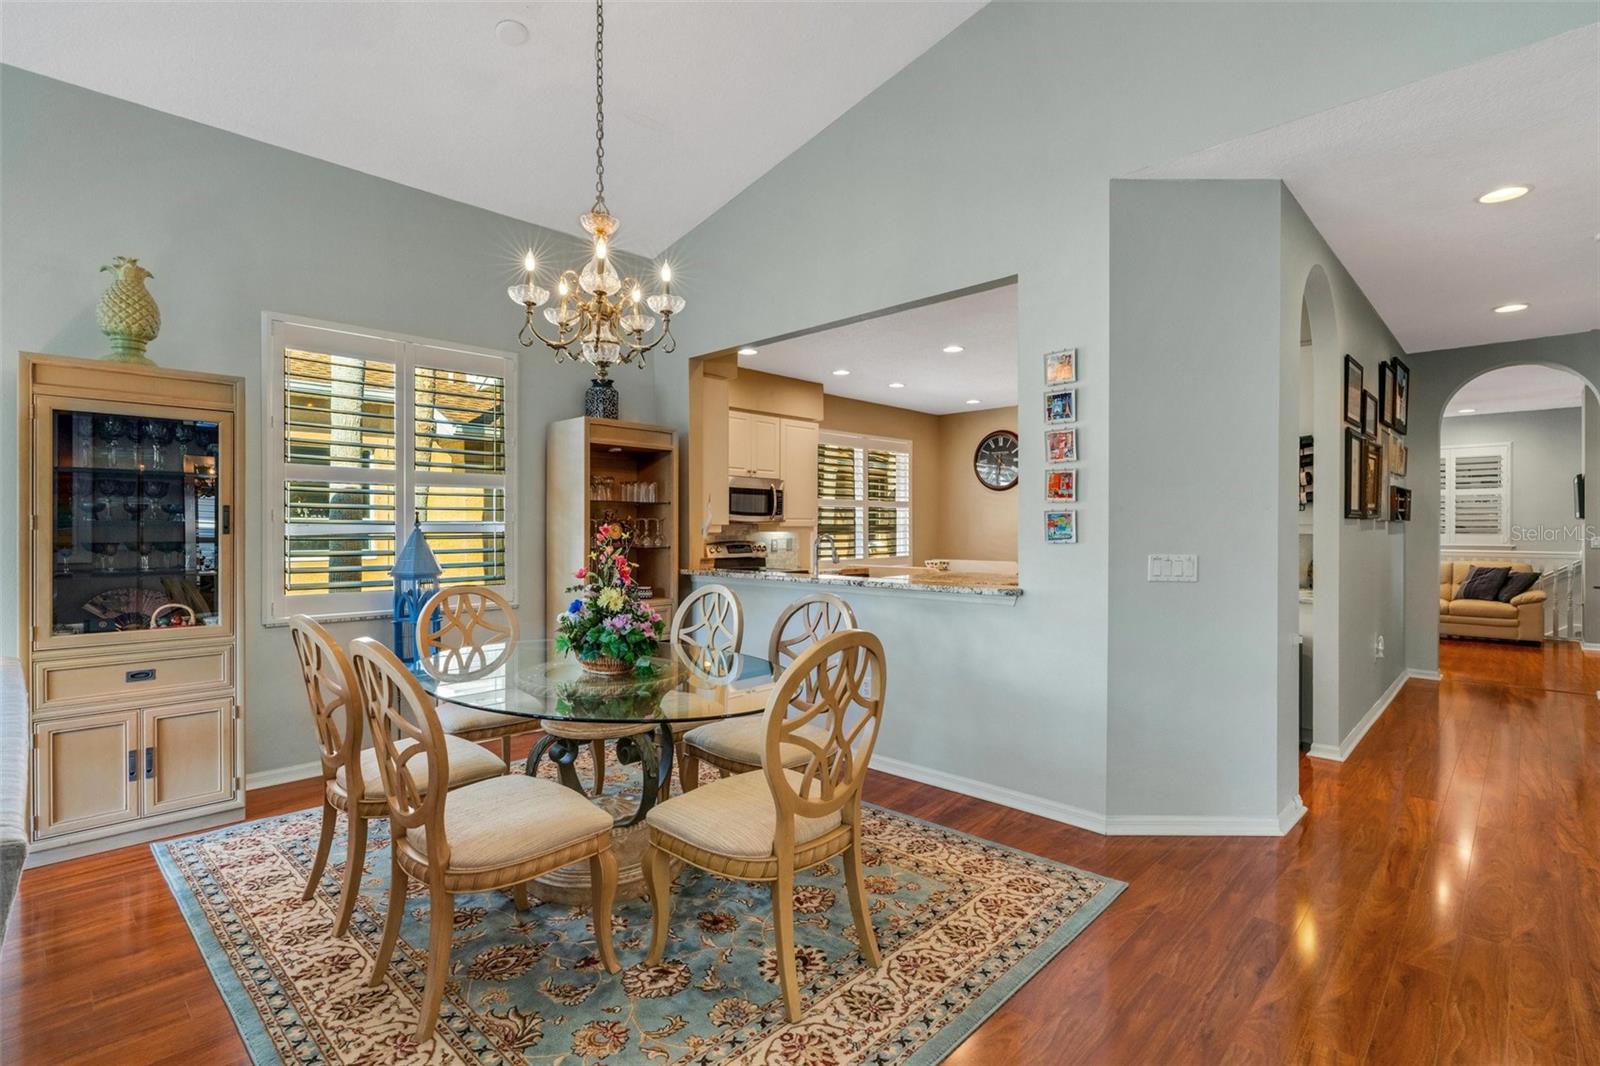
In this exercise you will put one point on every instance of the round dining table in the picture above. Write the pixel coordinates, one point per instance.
(637, 711)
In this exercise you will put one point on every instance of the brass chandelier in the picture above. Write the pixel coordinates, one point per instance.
(600, 317)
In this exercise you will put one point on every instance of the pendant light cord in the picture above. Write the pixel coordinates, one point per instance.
(600, 107)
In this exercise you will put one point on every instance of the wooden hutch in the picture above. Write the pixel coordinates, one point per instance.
(132, 548)
(600, 466)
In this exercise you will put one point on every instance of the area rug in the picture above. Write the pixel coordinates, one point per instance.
(961, 923)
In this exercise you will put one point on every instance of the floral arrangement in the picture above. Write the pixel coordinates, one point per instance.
(606, 626)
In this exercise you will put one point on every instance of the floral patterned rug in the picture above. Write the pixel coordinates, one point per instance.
(961, 922)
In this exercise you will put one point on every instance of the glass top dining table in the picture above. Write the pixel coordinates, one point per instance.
(637, 710)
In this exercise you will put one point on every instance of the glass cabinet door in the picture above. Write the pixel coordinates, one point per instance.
(136, 522)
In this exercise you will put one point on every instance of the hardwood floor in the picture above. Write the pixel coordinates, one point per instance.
(1439, 903)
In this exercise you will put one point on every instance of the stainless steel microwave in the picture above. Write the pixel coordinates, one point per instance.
(755, 499)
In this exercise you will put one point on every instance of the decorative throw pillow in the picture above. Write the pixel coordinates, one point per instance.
(1516, 584)
(1483, 582)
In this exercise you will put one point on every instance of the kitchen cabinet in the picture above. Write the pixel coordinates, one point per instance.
(799, 470)
(754, 445)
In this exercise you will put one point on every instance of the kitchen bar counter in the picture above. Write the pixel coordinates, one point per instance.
(931, 582)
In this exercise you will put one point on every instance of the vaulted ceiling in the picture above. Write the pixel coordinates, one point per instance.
(701, 98)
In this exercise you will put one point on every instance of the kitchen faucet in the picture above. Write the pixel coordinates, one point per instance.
(816, 551)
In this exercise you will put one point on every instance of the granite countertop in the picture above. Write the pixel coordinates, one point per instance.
(931, 581)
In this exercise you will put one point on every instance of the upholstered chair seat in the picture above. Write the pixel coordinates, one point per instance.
(736, 816)
(457, 719)
(467, 761)
(509, 821)
(740, 740)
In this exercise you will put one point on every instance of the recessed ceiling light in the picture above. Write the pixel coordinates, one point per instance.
(1510, 309)
(897, 384)
(952, 349)
(747, 351)
(511, 32)
(1467, 411)
(1505, 193)
(972, 402)
(841, 373)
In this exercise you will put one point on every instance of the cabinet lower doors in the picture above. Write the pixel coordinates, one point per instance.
(98, 770)
(188, 756)
(86, 773)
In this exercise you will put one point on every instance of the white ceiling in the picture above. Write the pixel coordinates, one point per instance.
(1518, 388)
(701, 98)
(1392, 182)
(907, 347)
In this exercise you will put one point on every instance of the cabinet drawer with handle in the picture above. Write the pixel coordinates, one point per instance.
(66, 685)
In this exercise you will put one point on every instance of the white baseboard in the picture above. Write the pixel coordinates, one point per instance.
(1122, 825)
(1006, 797)
(1348, 744)
(1590, 647)
(1139, 825)
(283, 775)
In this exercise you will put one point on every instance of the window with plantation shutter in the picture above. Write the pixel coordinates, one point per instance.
(1475, 495)
(378, 431)
(864, 496)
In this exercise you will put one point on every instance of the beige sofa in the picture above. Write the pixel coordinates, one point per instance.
(1521, 619)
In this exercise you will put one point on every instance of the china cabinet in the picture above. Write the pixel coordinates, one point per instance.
(132, 545)
(599, 469)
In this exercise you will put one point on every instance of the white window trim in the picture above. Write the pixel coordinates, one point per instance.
(1448, 538)
(871, 443)
(278, 606)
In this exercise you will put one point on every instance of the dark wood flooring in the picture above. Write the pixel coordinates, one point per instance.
(1439, 903)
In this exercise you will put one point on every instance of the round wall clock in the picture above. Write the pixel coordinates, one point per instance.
(995, 461)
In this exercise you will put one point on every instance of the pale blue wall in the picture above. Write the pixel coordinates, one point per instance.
(991, 155)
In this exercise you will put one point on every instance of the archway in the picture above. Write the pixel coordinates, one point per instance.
(1437, 377)
(1320, 386)
(1515, 442)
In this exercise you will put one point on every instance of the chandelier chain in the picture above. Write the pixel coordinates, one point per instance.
(600, 106)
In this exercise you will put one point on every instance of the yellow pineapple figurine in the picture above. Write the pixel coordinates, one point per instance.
(128, 313)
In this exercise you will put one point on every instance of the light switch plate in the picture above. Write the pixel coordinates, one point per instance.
(1173, 568)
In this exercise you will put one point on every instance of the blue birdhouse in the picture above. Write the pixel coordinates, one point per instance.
(416, 578)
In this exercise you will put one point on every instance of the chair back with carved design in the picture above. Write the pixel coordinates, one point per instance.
(838, 684)
(803, 623)
(471, 638)
(405, 731)
(709, 627)
(335, 703)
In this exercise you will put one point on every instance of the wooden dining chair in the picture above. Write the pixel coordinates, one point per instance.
(496, 834)
(707, 631)
(766, 826)
(351, 783)
(734, 745)
(470, 641)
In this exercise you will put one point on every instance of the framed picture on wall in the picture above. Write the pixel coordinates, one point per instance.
(1371, 478)
(1369, 415)
(1061, 527)
(1060, 368)
(1402, 394)
(1061, 446)
(1352, 473)
(1354, 389)
(1399, 504)
(1061, 486)
(1385, 394)
(1060, 405)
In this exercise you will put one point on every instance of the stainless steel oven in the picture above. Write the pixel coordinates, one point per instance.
(755, 499)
